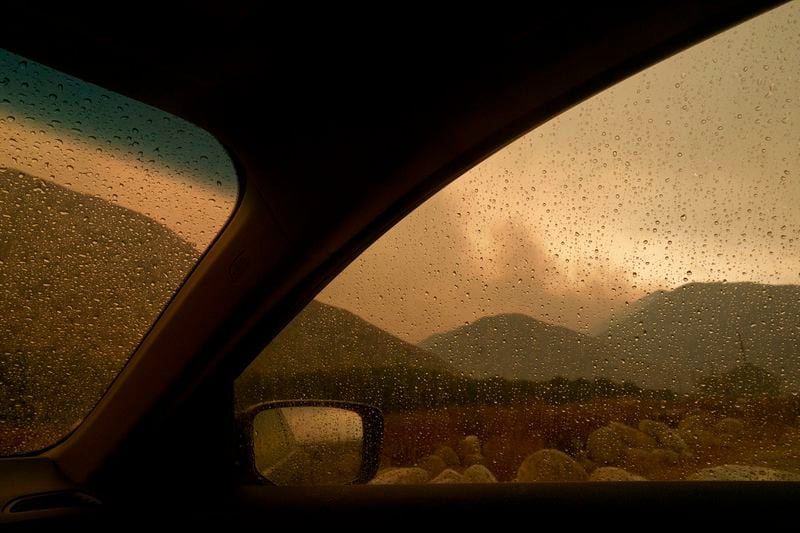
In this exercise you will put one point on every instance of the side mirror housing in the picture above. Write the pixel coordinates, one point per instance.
(310, 442)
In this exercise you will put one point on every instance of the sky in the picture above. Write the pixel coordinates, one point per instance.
(686, 172)
(63, 130)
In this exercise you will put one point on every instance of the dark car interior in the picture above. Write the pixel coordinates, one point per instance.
(339, 125)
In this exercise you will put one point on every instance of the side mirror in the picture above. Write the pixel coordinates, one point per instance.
(311, 442)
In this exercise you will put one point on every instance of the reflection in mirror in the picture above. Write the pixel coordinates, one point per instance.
(308, 445)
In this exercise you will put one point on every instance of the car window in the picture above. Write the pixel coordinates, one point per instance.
(613, 296)
(106, 204)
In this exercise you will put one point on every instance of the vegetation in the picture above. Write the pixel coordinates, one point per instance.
(426, 409)
(408, 389)
(510, 433)
(743, 380)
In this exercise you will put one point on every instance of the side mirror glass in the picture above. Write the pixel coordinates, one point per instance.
(313, 442)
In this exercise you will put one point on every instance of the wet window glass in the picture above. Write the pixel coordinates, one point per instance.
(613, 296)
(106, 204)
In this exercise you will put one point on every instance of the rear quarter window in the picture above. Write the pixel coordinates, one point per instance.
(106, 204)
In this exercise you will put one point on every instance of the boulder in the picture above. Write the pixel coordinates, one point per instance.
(700, 439)
(504, 454)
(743, 473)
(632, 437)
(550, 465)
(643, 461)
(666, 456)
(657, 430)
(605, 446)
(586, 463)
(448, 454)
(696, 420)
(448, 476)
(434, 465)
(611, 473)
(470, 445)
(673, 441)
(470, 460)
(665, 436)
(479, 474)
(401, 476)
(729, 430)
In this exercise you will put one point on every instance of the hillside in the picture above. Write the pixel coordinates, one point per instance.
(327, 352)
(81, 281)
(685, 335)
(324, 338)
(666, 340)
(515, 346)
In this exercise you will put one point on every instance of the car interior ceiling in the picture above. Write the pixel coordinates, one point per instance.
(337, 131)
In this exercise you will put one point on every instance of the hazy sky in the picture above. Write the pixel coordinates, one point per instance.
(97, 142)
(689, 171)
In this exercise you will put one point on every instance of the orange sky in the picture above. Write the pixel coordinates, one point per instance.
(687, 172)
(96, 142)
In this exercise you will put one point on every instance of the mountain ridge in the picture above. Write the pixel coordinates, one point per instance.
(499, 346)
(331, 338)
(670, 339)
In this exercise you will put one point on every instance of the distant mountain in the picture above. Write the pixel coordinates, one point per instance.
(324, 338)
(666, 340)
(683, 336)
(515, 346)
(622, 314)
